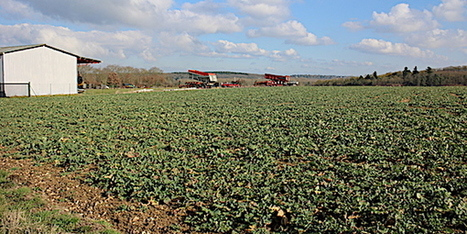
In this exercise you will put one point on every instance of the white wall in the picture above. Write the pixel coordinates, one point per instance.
(2, 91)
(50, 71)
(1, 68)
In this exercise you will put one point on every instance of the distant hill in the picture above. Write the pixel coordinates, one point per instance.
(243, 75)
(220, 75)
(454, 75)
(250, 78)
(318, 77)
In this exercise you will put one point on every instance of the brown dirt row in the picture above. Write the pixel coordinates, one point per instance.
(67, 192)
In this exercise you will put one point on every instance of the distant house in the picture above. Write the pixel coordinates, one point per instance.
(34, 70)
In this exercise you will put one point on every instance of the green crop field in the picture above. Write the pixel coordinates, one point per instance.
(281, 160)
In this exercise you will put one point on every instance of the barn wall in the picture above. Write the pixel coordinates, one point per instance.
(49, 71)
(2, 86)
(1, 68)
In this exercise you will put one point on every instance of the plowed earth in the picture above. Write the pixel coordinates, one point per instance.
(68, 192)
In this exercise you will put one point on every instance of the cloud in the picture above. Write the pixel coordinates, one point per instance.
(201, 23)
(119, 44)
(262, 12)
(284, 55)
(183, 43)
(402, 19)
(223, 46)
(136, 14)
(284, 30)
(439, 38)
(11, 9)
(310, 40)
(375, 46)
(419, 29)
(451, 10)
(293, 31)
(353, 26)
(338, 62)
(125, 44)
(206, 7)
(335, 65)
(249, 50)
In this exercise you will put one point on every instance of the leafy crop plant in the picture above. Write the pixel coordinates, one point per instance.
(264, 160)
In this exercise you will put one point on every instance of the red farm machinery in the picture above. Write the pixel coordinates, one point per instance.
(203, 80)
(231, 84)
(276, 80)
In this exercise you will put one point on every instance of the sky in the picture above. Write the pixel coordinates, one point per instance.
(328, 37)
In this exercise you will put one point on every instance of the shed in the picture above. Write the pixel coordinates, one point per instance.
(39, 70)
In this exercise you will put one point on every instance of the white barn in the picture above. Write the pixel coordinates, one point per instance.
(39, 70)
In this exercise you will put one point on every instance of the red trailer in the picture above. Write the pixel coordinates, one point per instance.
(265, 83)
(275, 80)
(203, 76)
(194, 84)
(231, 84)
(204, 80)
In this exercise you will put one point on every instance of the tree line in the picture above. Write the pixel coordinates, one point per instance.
(115, 76)
(428, 77)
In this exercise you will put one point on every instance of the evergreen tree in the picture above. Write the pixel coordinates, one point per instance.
(405, 77)
(429, 70)
(429, 81)
(416, 78)
(405, 73)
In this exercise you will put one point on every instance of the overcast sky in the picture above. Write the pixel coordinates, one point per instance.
(339, 37)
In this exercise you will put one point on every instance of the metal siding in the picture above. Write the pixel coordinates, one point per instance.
(1, 68)
(50, 71)
(2, 86)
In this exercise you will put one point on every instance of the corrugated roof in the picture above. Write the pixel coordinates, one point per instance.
(11, 49)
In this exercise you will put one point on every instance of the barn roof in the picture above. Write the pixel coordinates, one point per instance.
(11, 49)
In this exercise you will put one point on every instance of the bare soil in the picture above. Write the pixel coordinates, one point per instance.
(68, 192)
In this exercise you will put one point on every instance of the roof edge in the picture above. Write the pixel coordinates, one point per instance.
(80, 59)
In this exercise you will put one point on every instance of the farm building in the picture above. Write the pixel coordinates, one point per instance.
(32, 70)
